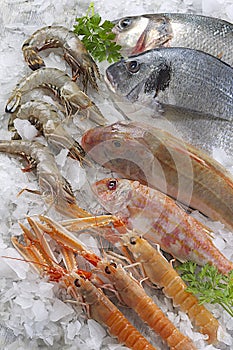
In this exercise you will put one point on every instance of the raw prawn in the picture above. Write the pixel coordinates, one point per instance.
(61, 85)
(54, 187)
(74, 51)
(45, 118)
(161, 273)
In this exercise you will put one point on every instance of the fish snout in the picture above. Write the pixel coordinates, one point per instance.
(87, 140)
(109, 79)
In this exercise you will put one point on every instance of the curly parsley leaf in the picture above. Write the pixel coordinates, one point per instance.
(97, 38)
(209, 285)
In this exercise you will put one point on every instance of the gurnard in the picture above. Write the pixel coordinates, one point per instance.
(137, 34)
(179, 77)
(160, 220)
(158, 159)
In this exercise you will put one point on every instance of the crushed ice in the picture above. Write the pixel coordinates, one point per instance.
(32, 315)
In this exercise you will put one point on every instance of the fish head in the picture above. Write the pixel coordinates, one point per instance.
(121, 148)
(114, 194)
(128, 30)
(136, 34)
(139, 77)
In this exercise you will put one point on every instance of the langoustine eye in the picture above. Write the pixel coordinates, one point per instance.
(112, 184)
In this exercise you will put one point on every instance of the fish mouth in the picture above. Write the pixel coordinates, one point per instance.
(108, 78)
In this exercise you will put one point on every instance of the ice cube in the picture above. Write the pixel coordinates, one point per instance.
(59, 310)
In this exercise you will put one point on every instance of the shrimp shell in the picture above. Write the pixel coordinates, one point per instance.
(60, 84)
(161, 273)
(54, 187)
(75, 52)
(44, 117)
(134, 296)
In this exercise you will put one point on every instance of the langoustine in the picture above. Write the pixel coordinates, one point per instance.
(74, 51)
(160, 220)
(75, 281)
(160, 160)
(160, 272)
(128, 289)
(61, 85)
(55, 189)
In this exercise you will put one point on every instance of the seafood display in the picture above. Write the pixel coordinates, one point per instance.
(172, 76)
(100, 246)
(137, 34)
(61, 85)
(74, 51)
(154, 157)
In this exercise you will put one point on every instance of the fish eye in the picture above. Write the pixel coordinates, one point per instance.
(116, 143)
(77, 283)
(124, 23)
(132, 240)
(133, 66)
(112, 185)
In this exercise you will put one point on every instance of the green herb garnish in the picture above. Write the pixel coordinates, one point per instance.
(97, 38)
(209, 285)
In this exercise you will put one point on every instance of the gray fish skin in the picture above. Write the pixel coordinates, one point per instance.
(140, 33)
(179, 77)
(201, 131)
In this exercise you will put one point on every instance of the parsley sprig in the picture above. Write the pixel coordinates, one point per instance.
(97, 38)
(209, 285)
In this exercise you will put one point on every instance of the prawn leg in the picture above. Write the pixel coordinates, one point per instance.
(61, 85)
(74, 52)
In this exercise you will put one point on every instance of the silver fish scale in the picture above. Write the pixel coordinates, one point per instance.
(199, 83)
(208, 34)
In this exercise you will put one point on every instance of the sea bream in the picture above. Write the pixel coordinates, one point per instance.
(179, 77)
(137, 34)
